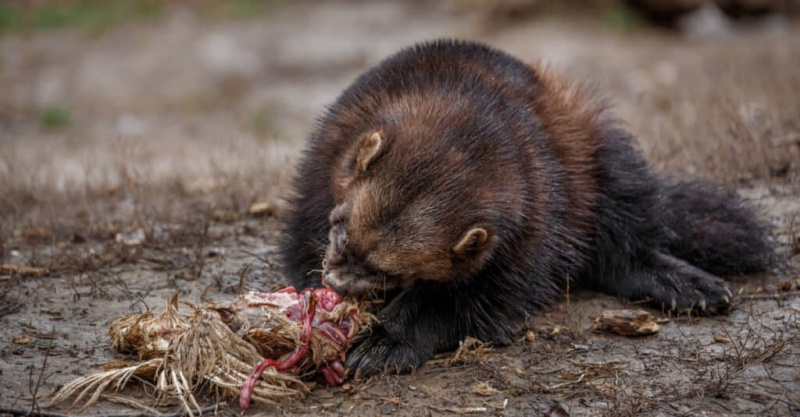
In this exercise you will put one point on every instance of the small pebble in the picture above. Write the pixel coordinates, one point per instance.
(530, 336)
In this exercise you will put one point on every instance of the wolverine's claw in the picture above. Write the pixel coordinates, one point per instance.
(382, 352)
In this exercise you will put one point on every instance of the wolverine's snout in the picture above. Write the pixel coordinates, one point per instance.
(347, 283)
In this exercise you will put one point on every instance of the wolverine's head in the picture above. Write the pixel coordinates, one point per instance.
(409, 207)
(433, 162)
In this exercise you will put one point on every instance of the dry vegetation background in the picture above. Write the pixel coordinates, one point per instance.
(135, 137)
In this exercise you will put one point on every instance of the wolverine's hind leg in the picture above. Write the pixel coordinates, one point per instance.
(672, 284)
(657, 241)
(632, 258)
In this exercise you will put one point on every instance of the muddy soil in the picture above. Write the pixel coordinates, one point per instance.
(181, 122)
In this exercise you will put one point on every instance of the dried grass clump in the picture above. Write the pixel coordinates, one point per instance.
(469, 349)
(257, 348)
(727, 112)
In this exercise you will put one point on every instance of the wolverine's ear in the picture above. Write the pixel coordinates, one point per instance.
(474, 240)
(369, 148)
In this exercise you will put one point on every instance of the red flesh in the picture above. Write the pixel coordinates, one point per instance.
(300, 351)
(333, 376)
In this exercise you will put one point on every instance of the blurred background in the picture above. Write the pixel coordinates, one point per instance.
(110, 106)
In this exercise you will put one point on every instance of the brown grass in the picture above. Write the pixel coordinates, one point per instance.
(725, 111)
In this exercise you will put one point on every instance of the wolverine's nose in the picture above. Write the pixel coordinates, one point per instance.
(338, 238)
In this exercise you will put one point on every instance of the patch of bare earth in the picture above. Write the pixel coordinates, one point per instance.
(182, 123)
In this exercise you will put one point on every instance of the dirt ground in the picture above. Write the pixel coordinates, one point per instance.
(172, 126)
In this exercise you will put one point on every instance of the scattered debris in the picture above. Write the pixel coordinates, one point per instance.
(21, 340)
(134, 238)
(586, 372)
(530, 336)
(22, 270)
(484, 389)
(469, 348)
(722, 339)
(459, 410)
(626, 323)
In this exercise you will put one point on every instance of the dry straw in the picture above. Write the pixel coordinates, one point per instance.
(215, 349)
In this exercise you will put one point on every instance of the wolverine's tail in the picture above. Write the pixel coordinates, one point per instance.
(714, 229)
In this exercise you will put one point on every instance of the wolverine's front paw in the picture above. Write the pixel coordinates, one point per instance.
(383, 352)
(682, 287)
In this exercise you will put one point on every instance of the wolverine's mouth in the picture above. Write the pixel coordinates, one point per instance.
(348, 283)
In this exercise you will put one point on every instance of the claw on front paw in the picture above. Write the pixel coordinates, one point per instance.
(378, 353)
(700, 303)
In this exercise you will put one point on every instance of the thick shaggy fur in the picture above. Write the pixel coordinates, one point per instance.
(468, 186)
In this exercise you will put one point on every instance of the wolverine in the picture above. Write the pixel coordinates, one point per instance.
(465, 188)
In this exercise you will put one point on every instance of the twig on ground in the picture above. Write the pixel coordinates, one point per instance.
(35, 389)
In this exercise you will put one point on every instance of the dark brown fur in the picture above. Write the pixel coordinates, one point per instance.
(465, 187)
